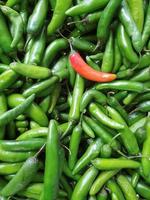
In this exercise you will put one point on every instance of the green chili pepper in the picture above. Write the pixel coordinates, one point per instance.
(8, 156)
(130, 26)
(101, 117)
(142, 75)
(117, 57)
(144, 61)
(125, 74)
(92, 63)
(83, 185)
(134, 117)
(5, 39)
(125, 45)
(135, 179)
(82, 44)
(34, 133)
(101, 180)
(3, 109)
(34, 125)
(97, 57)
(79, 25)
(31, 71)
(45, 92)
(112, 163)
(74, 146)
(146, 30)
(87, 129)
(13, 113)
(7, 78)
(9, 168)
(129, 98)
(145, 150)
(101, 132)
(54, 97)
(38, 47)
(24, 13)
(40, 86)
(64, 117)
(86, 7)
(143, 190)
(67, 171)
(114, 188)
(103, 195)
(138, 124)
(108, 58)
(33, 111)
(53, 49)
(22, 178)
(21, 146)
(32, 191)
(137, 11)
(52, 3)
(126, 134)
(91, 152)
(58, 15)
(17, 23)
(3, 67)
(37, 19)
(93, 17)
(144, 106)
(62, 74)
(72, 74)
(60, 64)
(74, 113)
(123, 85)
(144, 97)
(106, 18)
(22, 124)
(28, 47)
(45, 103)
(89, 95)
(106, 151)
(140, 135)
(51, 174)
(126, 187)
(112, 101)
(17, 85)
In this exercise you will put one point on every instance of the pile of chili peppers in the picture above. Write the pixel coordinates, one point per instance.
(75, 99)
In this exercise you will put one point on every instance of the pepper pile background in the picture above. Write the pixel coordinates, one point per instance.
(75, 99)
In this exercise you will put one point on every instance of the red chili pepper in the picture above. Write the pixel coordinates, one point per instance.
(82, 68)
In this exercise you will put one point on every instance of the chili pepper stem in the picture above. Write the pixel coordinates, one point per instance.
(74, 22)
(66, 148)
(97, 45)
(27, 42)
(69, 128)
(40, 150)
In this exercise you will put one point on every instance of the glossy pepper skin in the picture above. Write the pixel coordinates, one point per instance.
(83, 185)
(5, 39)
(37, 18)
(86, 7)
(17, 24)
(51, 174)
(106, 18)
(130, 26)
(58, 15)
(22, 178)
